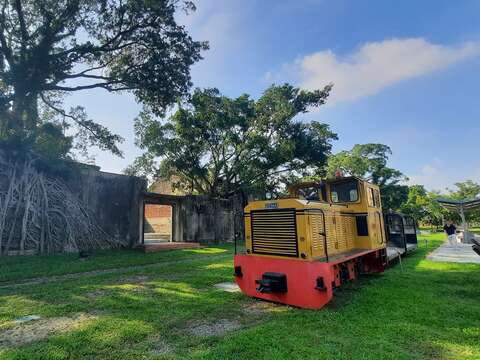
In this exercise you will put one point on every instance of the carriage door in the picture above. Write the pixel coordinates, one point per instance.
(381, 232)
(375, 217)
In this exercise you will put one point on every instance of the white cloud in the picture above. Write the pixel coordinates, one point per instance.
(433, 178)
(438, 176)
(374, 66)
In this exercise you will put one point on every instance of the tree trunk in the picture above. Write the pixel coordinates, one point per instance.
(25, 111)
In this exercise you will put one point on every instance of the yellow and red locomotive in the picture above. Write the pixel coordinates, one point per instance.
(300, 248)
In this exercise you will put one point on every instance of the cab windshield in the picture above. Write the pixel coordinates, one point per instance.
(346, 191)
(309, 193)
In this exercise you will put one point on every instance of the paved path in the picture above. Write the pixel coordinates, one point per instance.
(461, 253)
(126, 269)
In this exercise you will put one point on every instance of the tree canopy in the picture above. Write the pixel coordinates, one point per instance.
(417, 202)
(51, 48)
(217, 145)
(466, 190)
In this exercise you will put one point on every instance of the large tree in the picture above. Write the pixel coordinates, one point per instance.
(466, 190)
(417, 202)
(217, 145)
(50, 48)
(369, 161)
(422, 205)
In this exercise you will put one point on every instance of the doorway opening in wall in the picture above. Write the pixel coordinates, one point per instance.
(158, 224)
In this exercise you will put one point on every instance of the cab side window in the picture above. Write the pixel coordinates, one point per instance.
(373, 197)
(376, 196)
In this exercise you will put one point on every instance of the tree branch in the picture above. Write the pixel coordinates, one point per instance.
(86, 76)
(104, 85)
(21, 19)
(63, 113)
(73, 76)
(7, 52)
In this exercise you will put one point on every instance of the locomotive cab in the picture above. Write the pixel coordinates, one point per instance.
(298, 249)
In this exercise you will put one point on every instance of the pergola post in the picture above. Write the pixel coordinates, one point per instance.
(462, 216)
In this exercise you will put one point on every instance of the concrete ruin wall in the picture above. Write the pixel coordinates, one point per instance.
(116, 203)
(198, 218)
(115, 200)
(207, 220)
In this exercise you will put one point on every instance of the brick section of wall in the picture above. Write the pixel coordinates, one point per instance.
(157, 211)
(158, 219)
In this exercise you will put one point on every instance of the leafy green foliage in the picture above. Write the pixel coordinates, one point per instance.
(369, 161)
(434, 213)
(51, 141)
(416, 204)
(217, 145)
(51, 48)
(422, 205)
(467, 190)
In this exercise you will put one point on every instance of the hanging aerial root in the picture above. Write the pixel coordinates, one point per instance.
(40, 214)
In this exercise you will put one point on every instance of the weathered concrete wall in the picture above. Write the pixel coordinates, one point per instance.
(114, 199)
(203, 219)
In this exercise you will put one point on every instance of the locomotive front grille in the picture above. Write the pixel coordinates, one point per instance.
(274, 232)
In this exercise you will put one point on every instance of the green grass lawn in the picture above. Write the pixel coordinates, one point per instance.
(166, 310)
(476, 230)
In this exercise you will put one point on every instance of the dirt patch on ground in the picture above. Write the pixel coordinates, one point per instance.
(219, 327)
(136, 279)
(173, 277)
(136, 283)
(26, 333)
(161, 347)
(96, 294)
(262, 308)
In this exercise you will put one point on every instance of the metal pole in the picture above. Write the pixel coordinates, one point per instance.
(464, 225)
(400, 260)
(464, 222)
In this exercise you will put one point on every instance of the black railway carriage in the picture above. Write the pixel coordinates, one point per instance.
(401, 232)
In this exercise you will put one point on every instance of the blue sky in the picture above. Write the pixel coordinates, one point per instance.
(405, 74)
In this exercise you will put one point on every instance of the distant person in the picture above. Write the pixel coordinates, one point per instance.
(451, 232)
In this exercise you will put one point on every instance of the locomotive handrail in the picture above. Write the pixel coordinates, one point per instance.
(324, 234)
(325, 245)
